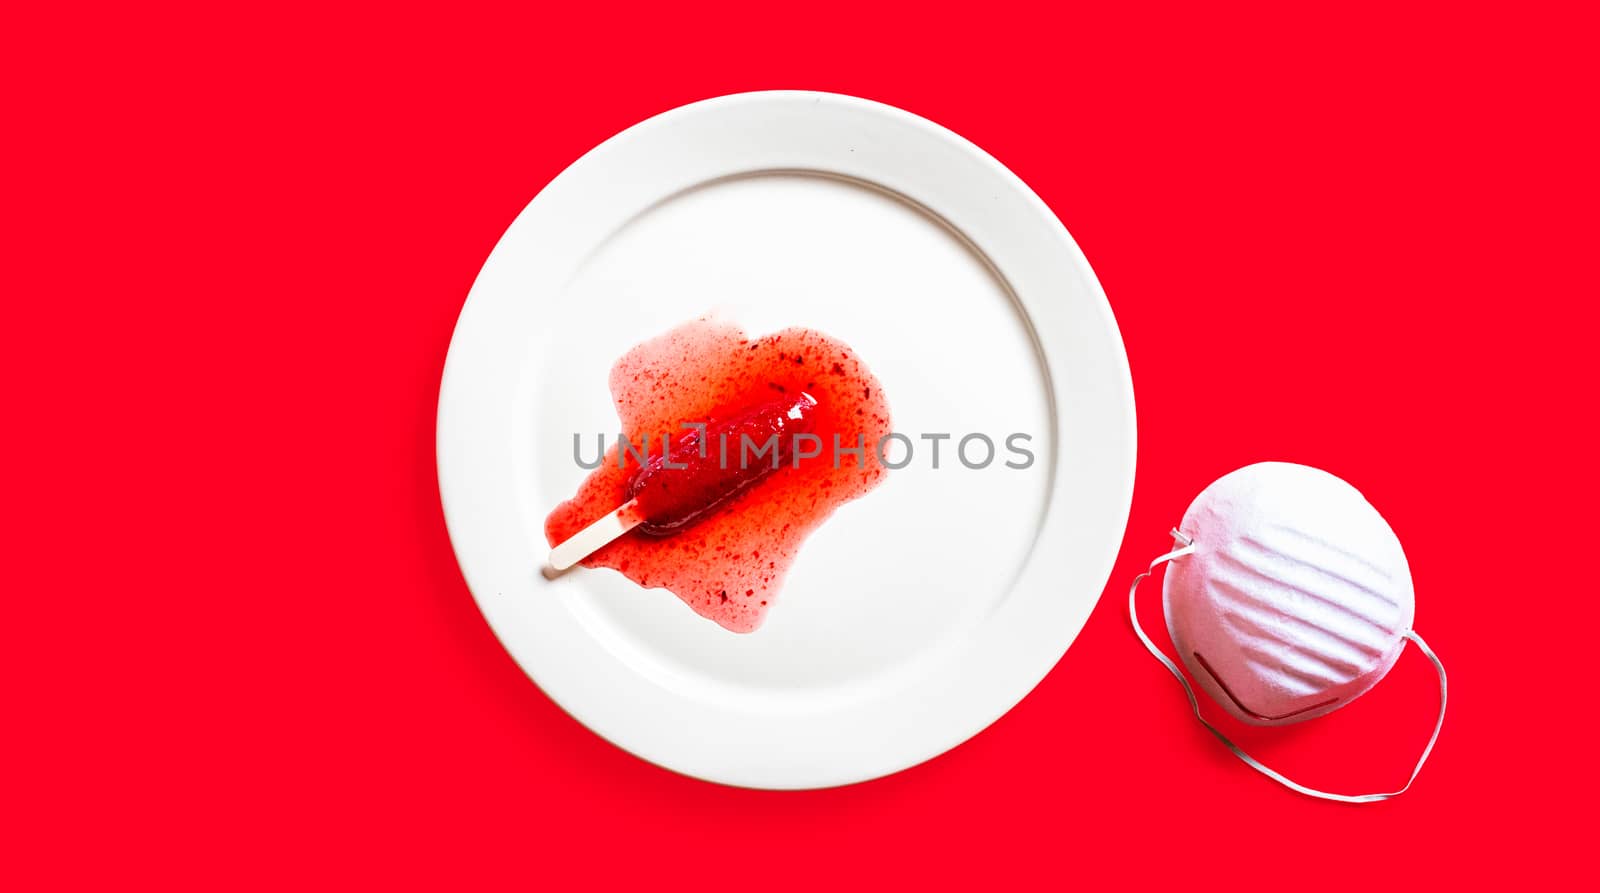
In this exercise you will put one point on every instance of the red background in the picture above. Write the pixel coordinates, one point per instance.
(237, 645)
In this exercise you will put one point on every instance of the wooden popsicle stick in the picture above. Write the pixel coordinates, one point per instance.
(584, 543)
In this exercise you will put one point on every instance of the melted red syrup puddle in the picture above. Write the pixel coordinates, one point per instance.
(730, 563)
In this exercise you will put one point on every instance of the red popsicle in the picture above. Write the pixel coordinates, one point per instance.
(672, 489)
(731, 537)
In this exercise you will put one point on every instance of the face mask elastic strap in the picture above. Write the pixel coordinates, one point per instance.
(1187, 547)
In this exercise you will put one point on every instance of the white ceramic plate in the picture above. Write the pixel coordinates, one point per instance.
(918, 614)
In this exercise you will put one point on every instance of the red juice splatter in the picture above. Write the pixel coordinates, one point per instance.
(729, 563)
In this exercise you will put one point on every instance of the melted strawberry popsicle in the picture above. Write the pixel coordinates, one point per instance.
(721, 536)
(699, 474)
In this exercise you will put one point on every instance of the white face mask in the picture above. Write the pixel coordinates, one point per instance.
(1288, 597)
